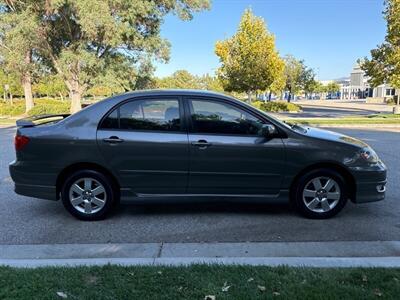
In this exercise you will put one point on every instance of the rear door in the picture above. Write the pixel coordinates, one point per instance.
(144, 141)
(227, 153)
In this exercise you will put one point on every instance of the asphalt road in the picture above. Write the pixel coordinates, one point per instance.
(315, 111)
(26, 220)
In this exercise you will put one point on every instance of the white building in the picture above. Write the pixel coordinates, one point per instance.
(357, 87)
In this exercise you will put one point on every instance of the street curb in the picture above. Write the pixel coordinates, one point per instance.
(313, 262)
(296, 254)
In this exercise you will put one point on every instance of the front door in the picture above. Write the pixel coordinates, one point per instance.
(227, 153)
(145, 144)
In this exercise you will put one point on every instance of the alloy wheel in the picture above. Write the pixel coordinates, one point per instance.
(87, 195)
(321, 194)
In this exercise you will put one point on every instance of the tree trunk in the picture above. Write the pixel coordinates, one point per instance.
(11, 99)
(27, 84)
(75, 93)
(249, 96)
(289, 97)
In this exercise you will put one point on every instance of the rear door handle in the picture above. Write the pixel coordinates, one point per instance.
(113, 140)
(201, 144)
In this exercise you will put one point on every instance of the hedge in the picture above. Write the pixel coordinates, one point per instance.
(276, 106)
(42, 106)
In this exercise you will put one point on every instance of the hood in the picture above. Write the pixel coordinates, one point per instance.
(332, 136)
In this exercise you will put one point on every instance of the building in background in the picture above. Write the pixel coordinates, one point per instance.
(357, 87)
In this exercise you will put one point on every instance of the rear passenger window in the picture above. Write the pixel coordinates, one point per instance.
(111, 122)
(156, 115)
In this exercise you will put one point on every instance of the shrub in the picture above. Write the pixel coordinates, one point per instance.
(277, 106)
(42, 106)
(6, 109)
(46, 109)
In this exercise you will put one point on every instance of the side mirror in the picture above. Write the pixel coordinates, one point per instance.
(268, 130)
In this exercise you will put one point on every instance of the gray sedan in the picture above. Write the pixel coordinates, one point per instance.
(183, 145)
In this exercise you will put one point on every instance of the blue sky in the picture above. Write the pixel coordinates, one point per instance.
(330, 35)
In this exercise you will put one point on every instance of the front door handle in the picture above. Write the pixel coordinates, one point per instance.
(113, 140)
(201, 144)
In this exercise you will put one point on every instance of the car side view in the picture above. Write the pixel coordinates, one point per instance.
(179, 145)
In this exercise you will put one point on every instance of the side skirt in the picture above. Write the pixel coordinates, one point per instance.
(282, 197)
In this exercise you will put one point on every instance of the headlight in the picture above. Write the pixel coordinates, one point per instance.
(364, 155)
(369, 155)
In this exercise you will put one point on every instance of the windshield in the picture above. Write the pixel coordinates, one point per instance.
(288, 125)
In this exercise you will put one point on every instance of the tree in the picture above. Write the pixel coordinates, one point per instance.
(293, 74)
(384, 65)
(211, 83)
(19, 37)
(313, 86)
(10, 84)
(83, 38)
(180, 79)
(51, 86)
(249, 59)
(298, 76)
(332, 87)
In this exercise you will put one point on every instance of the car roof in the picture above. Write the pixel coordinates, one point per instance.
(179, 92)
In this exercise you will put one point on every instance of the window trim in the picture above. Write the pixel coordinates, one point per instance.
(189, 110)
(183, 124)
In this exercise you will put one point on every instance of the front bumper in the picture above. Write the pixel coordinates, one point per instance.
(370, 184)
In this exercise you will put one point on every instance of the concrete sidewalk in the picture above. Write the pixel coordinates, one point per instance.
(310, 254)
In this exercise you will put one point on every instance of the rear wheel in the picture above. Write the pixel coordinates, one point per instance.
(320, 194)
(88, 195)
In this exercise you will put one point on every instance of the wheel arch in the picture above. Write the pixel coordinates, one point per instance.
(84, 166)
(347, 176)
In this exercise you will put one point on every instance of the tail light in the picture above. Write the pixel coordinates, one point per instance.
(20, 141)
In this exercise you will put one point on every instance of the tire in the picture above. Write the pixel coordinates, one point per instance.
(88, 195)
(321, 200)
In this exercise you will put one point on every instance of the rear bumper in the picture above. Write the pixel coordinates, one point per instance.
(370, 184)
(36, 191)
(32, 184)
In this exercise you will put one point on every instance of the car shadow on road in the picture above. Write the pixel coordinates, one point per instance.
(201, 208)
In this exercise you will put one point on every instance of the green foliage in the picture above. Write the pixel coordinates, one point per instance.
(50, 85)
(6, 109)
(180, 79)
(384, 65)
(42, 106)
(82, 40)
(276, 106)
(298, 76)
(249, 59)
(332, 87)
(10, 79)
(48, 106)
(390, 101)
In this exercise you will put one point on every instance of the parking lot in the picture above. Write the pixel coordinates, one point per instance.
(26, 220)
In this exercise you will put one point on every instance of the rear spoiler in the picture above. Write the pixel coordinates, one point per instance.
(40, 119)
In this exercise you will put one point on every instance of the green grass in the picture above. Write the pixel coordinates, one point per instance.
(6, 121)
(195, 282)
(371, 119)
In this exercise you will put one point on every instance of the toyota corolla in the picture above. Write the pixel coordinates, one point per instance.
(189, 146)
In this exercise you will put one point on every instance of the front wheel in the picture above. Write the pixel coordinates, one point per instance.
(88, 195)
(320, 194)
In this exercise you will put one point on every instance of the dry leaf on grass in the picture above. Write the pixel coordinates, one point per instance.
(261, 288)
(226, 287)
(276, 293)
(378, 293)
(250, 279)
(209, 297)
(62, 295)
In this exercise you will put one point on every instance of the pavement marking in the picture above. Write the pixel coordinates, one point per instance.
(308, 254)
